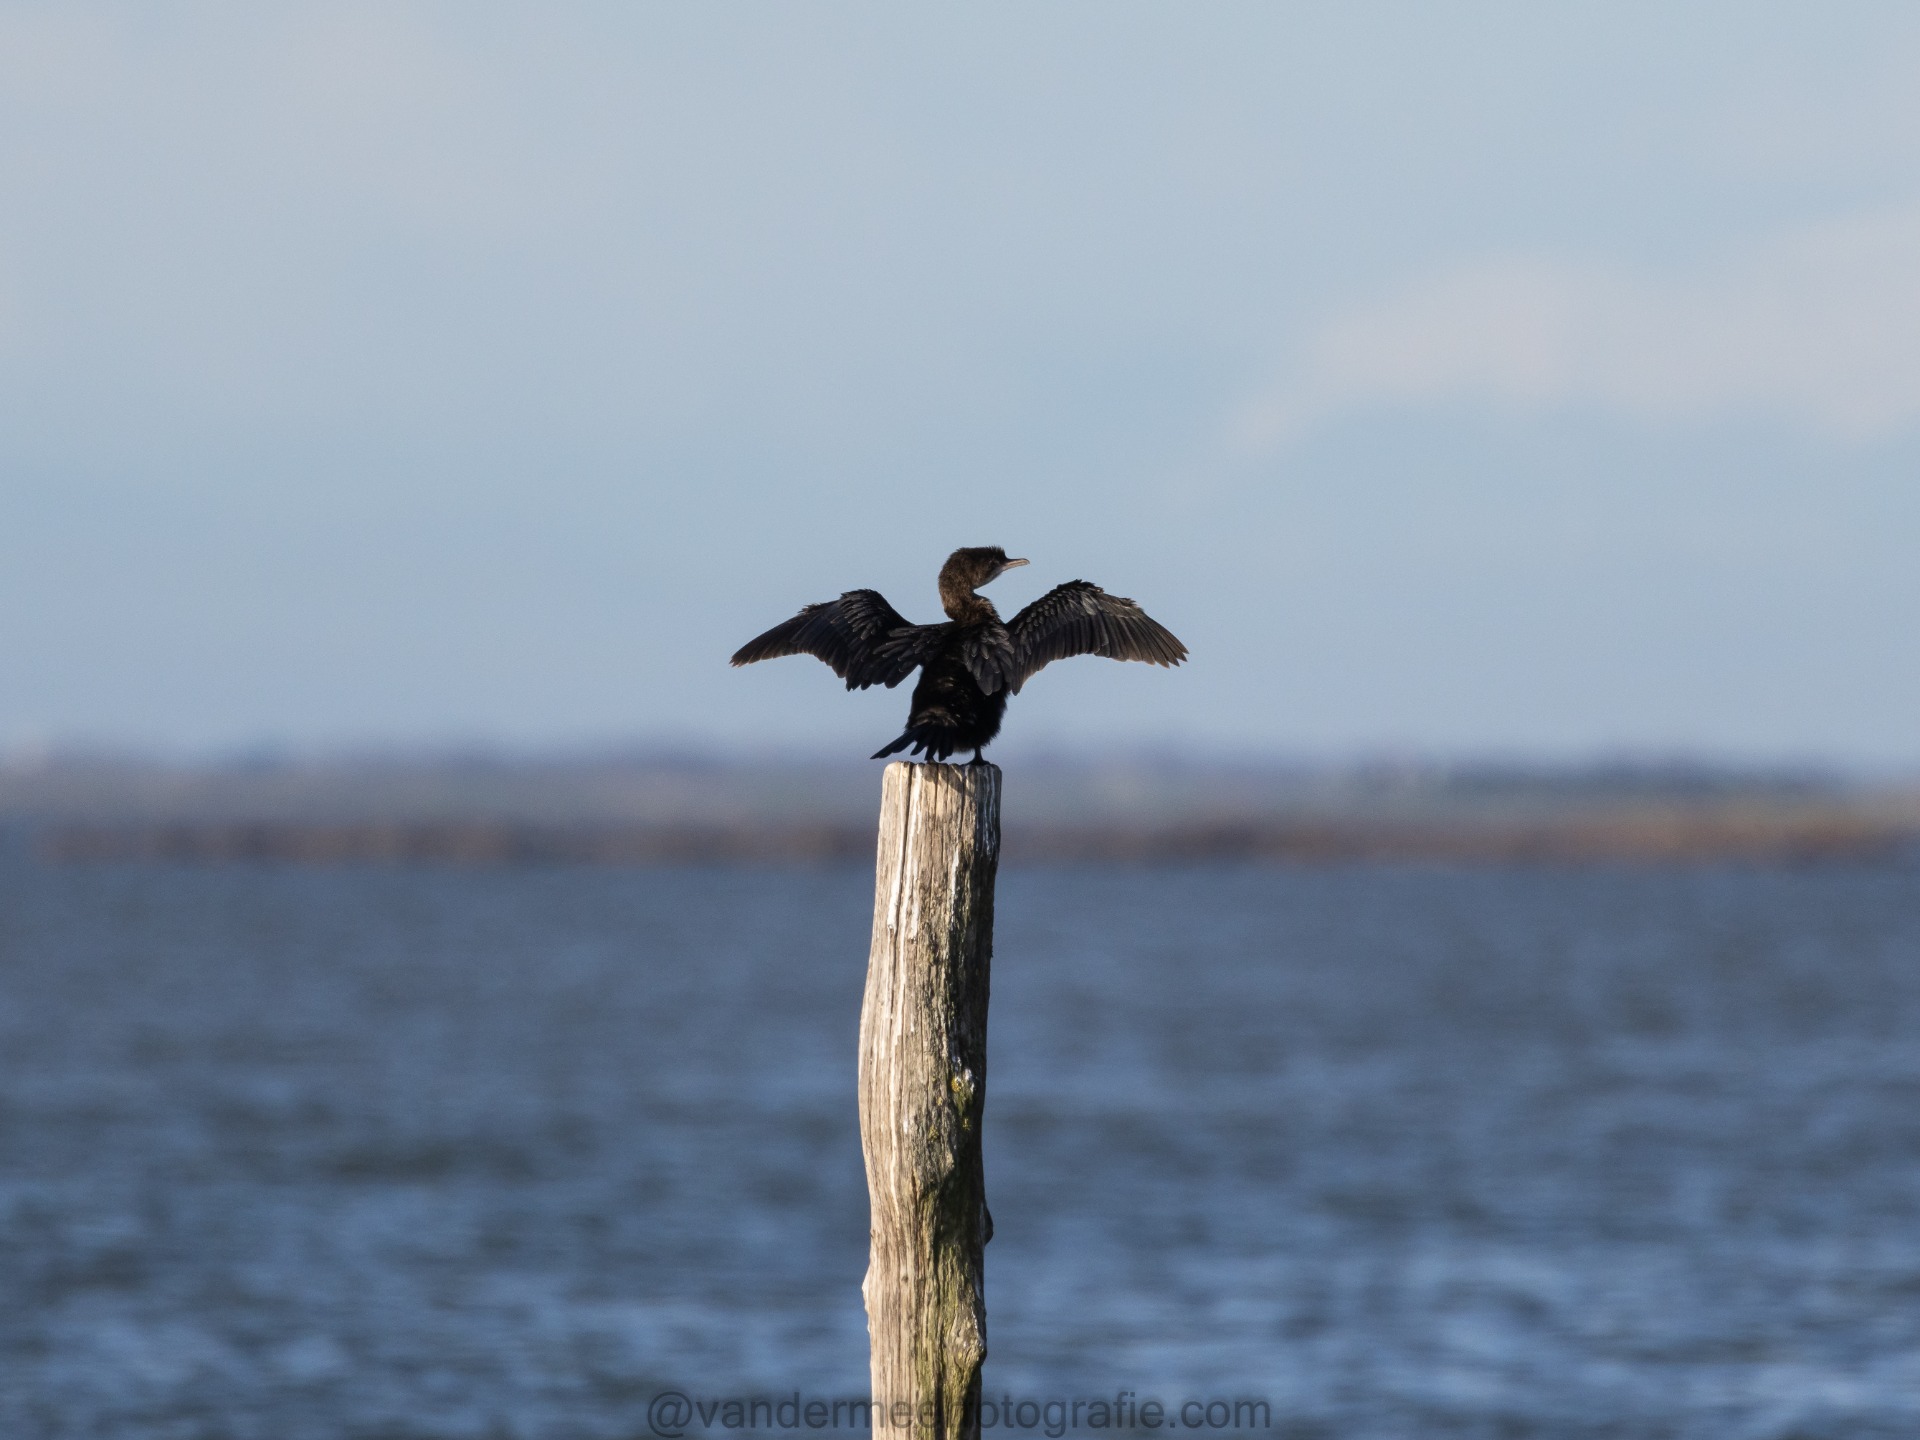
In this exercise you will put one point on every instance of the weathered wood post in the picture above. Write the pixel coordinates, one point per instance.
(923, 1082)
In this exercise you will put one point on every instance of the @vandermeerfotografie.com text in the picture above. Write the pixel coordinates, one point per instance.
(672, 1414)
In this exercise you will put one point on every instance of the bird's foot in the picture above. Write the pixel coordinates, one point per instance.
(976, 760)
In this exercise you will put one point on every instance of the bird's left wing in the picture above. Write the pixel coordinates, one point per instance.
(1079, 618)
(864, 639)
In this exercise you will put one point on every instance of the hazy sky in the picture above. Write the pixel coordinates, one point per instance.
(1464, 379)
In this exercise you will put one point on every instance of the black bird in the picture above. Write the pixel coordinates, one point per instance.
(972, 663)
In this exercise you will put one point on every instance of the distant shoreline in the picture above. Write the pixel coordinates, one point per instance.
(1099, 809)
(1651, 834)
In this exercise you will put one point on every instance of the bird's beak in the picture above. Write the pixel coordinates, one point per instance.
(1011, 563)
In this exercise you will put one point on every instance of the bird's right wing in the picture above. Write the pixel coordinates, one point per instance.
(1079, 618)
(864, 639)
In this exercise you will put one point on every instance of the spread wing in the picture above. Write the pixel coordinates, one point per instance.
(864, 639)
(1079, 618)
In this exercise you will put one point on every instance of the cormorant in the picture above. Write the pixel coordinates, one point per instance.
(972, 663)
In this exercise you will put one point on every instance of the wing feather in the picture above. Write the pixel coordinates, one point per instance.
(991, 657)
(863, 638)
(1079, 618)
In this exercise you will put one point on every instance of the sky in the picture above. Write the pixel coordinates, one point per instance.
(1476, 380)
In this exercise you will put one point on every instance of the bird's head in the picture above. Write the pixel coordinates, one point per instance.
(974, 566)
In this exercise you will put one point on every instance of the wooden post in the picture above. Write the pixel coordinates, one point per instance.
(923, 1083)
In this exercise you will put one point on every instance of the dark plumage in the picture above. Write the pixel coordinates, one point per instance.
(972, 663)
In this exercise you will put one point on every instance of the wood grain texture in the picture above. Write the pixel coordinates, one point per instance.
(923, 1081)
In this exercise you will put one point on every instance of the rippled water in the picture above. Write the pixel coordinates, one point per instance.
(1409, 1153)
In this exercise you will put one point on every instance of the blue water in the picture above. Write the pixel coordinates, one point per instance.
(293, 1153)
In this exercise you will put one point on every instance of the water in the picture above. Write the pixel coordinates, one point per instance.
(298, 1153)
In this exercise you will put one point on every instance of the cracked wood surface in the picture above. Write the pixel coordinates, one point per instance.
(923, 1076)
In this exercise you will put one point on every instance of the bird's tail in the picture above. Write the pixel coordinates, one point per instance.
(936, 742)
